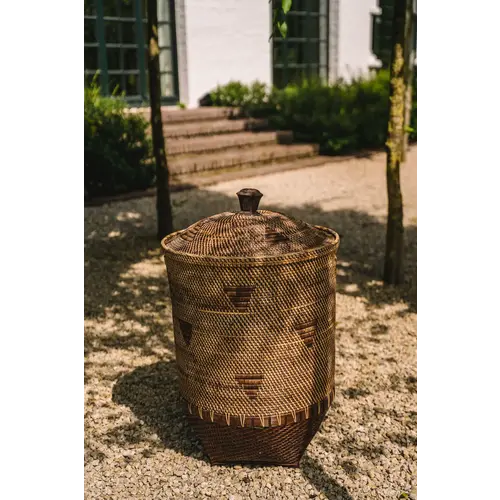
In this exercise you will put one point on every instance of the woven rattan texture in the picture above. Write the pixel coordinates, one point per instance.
(237, 234)
(282, 445)
(254, 340)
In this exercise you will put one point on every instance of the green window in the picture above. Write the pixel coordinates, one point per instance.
(382, 31)
(116, 45)
(303, 54)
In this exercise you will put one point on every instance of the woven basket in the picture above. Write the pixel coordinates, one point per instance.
(253, 304)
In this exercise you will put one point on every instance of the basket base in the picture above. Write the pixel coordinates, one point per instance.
(283, 445)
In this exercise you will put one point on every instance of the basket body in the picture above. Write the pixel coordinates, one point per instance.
(255, 349)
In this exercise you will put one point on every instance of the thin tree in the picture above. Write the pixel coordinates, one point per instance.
(401, 36)
(163, 204)
(402, 60)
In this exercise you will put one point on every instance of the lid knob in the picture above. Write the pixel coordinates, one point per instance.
(249, 199)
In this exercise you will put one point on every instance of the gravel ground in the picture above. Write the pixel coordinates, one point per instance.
(137, 444)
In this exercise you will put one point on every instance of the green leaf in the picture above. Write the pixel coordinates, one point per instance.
(286, 5)
(283, 28)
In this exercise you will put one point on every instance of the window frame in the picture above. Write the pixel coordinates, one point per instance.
(319, 69)
(102, 46)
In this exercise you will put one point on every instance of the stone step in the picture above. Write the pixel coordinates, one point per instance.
(208, 144)
(176, 115)
(212, 127)
(185, 164)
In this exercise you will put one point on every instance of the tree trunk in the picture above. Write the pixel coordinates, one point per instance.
(163, 205)
(393, 267)
(408, 77)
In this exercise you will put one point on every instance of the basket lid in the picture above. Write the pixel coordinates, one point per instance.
(248, 233)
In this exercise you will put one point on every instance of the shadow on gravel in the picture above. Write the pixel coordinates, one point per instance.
(107, 258)
(112, 295)
(151, 393)
(313, 471)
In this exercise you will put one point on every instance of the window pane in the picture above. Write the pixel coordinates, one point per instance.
(110, 8)
(130, 59)
(296, 26)
(164, 35)
(306, 5)
(313, 5)
(301, 5)
(89, 8)
(291, 52)
(297, 53)
(323, 7)
(312, 29)
(303, 26)
(89, 30)
(127, 8)
(132, 85)
(167, 84)
(165, 60)
(114, 84)
(298, 75)
(90, 58)
(313, 55)
(323, 29)
(163, 10)
(129, 32)
(112, 31)
(323, 53)
(113, 58)
(279, 78)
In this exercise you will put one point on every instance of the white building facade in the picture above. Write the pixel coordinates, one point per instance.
(204, 43)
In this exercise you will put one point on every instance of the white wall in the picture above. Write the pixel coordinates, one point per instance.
(354, 50)
(226, 40)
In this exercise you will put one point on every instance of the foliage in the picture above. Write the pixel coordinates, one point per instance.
(341, 117)
(252, 100)
(279, 16)
(117, 149)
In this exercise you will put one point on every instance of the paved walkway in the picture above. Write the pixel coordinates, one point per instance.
(137, 443)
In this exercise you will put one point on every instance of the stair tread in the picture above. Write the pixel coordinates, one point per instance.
(175, 115)
(282, 149)
(233, 157)
(210, 177)
(180, 145)
(210, 127)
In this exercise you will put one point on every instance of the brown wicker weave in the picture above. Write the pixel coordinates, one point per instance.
(253, 303)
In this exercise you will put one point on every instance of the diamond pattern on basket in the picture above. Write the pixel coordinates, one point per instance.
(240, 296)
(307, 332)
(250, 384)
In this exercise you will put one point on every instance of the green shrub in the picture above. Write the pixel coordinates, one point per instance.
(341, 117)
(232, 94)
(117, 148)
(253, 100)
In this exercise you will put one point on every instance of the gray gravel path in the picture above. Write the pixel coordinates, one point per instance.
(137, 445)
